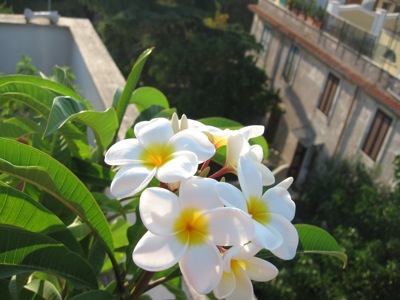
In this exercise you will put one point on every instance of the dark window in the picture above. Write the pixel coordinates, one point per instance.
(265, 37)
(386, 5)
(376, 134)
(297, 161)
(291, 64)
(390, 55)
(329, 93)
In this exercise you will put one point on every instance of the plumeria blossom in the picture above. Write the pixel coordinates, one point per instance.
(237, 147)
(240, 266)
(271, 212)
(187, 229)
(156, 151)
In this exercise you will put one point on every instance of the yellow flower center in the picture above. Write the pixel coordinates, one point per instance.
(259, 210)
(191, 225)
(156, 155)
(236, 264)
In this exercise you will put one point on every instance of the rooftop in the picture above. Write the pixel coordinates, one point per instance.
(70, 42)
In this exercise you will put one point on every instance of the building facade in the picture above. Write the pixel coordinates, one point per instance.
(336, 102)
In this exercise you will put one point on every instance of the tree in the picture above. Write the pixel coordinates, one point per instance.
(363, 216)
(201, 60)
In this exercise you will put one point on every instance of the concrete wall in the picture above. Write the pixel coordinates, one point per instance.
(71, 42)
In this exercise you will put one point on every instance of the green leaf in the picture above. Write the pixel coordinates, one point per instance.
(16, 284)
(18, 209)
(42, 170)
(61, 109)
(130, 85)
(22, 251)
(15, 128)
(27, 100)
(177, 291)
(66, 109)
(144, 97)
(119, 230)
(94, 295)
(222, 123)
(316, 240)
(92, 173)
(44, 289)
(27, 84)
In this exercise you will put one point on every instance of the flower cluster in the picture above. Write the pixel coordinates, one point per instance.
(211, 228)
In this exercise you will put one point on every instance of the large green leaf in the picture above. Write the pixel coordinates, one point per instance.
(42, 170)
(44, 289)
(145, 96)
(27, 100)
(15, 128)
(94, 295)
(23, 251)
(130, 85)
(67, 109)
(314, 239)
(92, 173)
(27, 84)
(18, 209)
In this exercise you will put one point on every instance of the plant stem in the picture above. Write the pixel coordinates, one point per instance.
(142, 284)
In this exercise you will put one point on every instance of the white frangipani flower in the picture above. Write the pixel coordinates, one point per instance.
(240, 266)
(187, 229)
(237, 147)
(158, 152)
(271, 212)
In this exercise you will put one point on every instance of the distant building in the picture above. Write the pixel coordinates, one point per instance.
(70, 42)
(336, 100)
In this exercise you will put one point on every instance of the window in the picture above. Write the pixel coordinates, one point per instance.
(386, 5)
(329, 93)
(390, 55)
(376, 135)
(292, 61)
(265, 37)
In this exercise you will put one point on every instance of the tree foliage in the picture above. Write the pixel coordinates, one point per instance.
(363, 216)
(200, 60)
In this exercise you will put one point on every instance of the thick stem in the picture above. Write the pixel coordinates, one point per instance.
(142, 284)
(221, 172)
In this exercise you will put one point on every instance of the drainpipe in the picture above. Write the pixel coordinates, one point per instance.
(346, 122)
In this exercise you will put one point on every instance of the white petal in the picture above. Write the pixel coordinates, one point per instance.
(256, 153)
(287, 250)
(159, 209)
(201, 267)
(225, 286)
(260, 270)
(182, 165)
(156, 253)
(155, 131)
(228, 255)
(279, 202)
(286, 183)
(130, 180)
(124, 152)
(252, 131)
(249, 178)
(175, 123)
(200, 193)
(266, 236)
(236, 147)
(194, 141)
(244, 288)
(247, 251)
(231, 196)
(229, 226)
